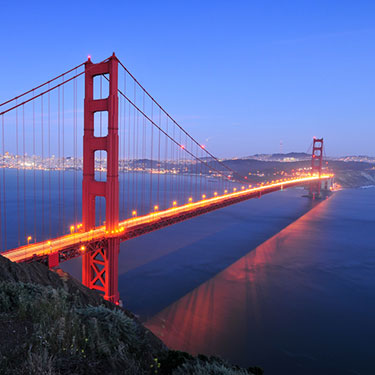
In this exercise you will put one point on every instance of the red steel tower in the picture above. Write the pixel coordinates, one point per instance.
(100, 262)
(316, 165)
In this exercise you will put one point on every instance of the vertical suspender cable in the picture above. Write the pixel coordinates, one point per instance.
(49, 168)
(174, 164)
(18, 182)
(59, 156)
(143, 157)
(152, 153)
(133, 153)
(166, 166)
(4, 185)
(124, 155)
(34, 166)
(1, 217)
(42, 139)
(129, 172)
(137, 160)
(63, 152)
(158, 196)
(75, 150)
(120, 149)
(24, 172)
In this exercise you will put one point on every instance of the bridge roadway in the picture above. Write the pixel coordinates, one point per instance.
(75, 244)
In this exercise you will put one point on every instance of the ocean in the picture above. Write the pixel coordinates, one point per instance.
(282, 282)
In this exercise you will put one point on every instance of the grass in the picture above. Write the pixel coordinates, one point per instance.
(47, 331)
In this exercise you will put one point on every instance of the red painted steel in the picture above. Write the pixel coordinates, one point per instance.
(99, 247)
(316, 165)
(100, 267)
(75, 245)
(53, 260)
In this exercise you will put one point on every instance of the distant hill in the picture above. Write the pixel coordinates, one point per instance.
(280, 156)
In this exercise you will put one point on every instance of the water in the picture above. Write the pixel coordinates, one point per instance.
(44, 204)
(281, 282)
(277, 282)
(302, 302)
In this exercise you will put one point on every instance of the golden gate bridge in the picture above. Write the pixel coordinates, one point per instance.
(141, 171)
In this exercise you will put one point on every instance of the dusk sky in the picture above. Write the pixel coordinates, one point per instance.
(240, 76)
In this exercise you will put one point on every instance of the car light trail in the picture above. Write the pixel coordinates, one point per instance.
(80, 240)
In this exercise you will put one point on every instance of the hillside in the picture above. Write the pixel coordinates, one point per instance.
(349, 174)
(51, 324)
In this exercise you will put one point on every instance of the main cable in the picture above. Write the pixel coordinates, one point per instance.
(178, 125)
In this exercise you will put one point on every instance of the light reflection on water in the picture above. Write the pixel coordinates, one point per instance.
(302, 302)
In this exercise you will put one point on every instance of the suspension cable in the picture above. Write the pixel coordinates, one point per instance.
(178, 125)
(173, 140)
(43, 84)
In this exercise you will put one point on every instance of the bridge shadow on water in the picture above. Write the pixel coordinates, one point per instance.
(159, 268)
(267, 282)
(299, 303)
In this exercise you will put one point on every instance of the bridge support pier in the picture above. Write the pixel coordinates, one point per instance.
(100, 264)
(316, 166)
(100, 268)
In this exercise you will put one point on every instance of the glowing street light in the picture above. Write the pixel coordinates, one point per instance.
(156, 208)
(215, 194)
(134, 213)
(71, 229)
(190, 199)
(174, 203)
(29, 239)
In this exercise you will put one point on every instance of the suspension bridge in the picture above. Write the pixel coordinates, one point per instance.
(140, 169)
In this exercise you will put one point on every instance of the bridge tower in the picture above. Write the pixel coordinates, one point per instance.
(316, 166)
(100, 262)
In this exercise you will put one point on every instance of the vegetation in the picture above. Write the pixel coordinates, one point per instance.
(48, 330)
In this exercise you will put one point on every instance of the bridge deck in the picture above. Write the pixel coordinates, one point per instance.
(75, 244)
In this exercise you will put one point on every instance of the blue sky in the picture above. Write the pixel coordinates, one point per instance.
(239, 75)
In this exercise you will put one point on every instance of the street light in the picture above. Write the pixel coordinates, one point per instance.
(29, 239)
